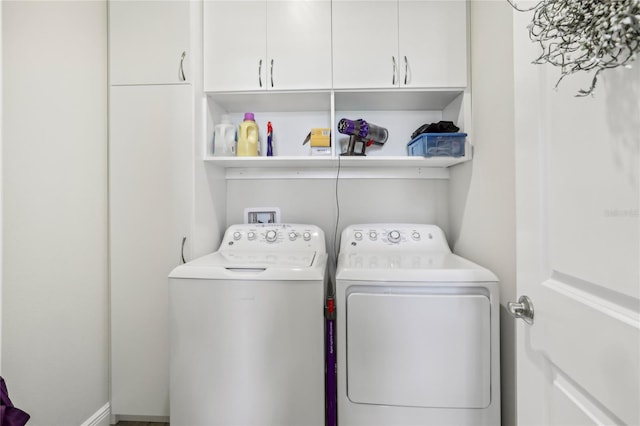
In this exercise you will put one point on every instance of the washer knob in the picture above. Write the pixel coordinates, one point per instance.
(271, 236)
(306, 236)
(237, 235)
(358, 236)
(394, 236)
(415, 235)
(251, 235)
(373, 235)
(293, 236)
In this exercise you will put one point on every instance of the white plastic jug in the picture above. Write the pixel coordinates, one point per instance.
(248, 143)
(224, 138)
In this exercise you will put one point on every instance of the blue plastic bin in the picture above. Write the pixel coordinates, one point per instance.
(437, 145)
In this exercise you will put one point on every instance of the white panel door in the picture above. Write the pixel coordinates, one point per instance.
(299, 44)
(578, 243)
(147, 40)
(365, 44)
(433, 43)
(235, 45)
(150, 181)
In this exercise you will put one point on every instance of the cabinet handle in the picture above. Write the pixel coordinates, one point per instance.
(406, 70)
(184, 240)
(260, 72)
(393, 79)
(271, 72)
(181, 75)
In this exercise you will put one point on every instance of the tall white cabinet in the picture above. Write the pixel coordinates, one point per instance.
(150, 161)
(150, 193)
(149, 42)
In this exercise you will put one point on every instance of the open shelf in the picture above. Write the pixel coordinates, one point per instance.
(294, 113)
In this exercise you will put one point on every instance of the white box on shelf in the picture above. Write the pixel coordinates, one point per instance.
(320, 150)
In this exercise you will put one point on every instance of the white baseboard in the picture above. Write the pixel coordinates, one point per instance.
(100, 417)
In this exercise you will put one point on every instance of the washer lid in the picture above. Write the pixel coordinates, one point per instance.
(408, 266)
(305, 265)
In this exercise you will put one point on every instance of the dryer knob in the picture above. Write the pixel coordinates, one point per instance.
(415, 235)
(293, 236)
(358, 235)
(251, 235)
(271, 236)
(306, 236)
(237, 235)
(373, 235)
(394, 236)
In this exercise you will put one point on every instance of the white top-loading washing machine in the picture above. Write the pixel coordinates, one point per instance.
(417, 331)
(247, 330)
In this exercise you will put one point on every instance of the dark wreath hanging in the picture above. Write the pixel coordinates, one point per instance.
(585, 35)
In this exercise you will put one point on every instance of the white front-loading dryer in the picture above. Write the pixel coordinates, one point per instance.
(246, 327)
(417, 331)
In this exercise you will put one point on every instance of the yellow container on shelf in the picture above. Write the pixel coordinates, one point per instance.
(320, 137)
(248, 140)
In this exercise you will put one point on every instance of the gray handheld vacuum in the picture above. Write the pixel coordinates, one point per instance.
(362, 133)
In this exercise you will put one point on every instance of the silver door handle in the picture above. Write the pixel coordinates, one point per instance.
(406, 70)
(395, 71)
(522, 309)
(184, 240)
(181, 75)
(271, 72)
(260, 72)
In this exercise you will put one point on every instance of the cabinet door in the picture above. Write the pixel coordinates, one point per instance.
(365, 44)
(150, 157)
(235, 45)
(433, 39)
(147, 40)
(299, 44)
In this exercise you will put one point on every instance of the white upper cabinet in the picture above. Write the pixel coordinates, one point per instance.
(433, 43)
(267, 45)
(149, 42)
(235, 45)
(299, 44)
(400, 43)
(365, 44)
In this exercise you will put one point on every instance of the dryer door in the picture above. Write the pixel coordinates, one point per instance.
(421, 347)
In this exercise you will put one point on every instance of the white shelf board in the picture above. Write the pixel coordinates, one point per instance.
(370, 167)
(345, 100)
(273, 162)
(385, 162)
(273, 101)
(395, 99)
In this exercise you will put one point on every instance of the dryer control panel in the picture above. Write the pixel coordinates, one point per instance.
(410, 237)
(273, 237)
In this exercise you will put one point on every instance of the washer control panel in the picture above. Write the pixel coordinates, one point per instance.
(373, 237)
(273, 236)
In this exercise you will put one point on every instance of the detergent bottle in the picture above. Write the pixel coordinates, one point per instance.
(248, 144)
(224, 138)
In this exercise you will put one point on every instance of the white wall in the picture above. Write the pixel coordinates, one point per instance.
(55, 284)
(483, 190)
